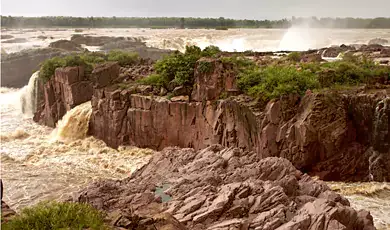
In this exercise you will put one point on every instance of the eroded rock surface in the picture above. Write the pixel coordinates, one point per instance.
(17, 68)
(219, 188)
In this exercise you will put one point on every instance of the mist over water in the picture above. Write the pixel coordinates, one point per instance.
(300, 37)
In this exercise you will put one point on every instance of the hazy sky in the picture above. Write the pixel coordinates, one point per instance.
(249, 9)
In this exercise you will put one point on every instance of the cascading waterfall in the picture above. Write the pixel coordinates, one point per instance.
(29, 95)
(380, 150)
(74, 125)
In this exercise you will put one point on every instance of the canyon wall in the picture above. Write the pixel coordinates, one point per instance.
(340, 135)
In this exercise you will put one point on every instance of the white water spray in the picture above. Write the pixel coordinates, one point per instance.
(29, 96)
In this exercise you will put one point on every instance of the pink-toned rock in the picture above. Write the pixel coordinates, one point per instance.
(68, 88)
(249, 194)
(213, 78)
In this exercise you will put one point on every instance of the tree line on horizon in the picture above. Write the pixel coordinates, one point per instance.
(192, 23)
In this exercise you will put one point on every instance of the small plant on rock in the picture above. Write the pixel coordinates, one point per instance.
(123, 58)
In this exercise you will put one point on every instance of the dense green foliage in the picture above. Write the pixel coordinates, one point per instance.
(172, 22)
(179, 67)
(276, 80)
(87, 59)
(54, 215)
(123, 58)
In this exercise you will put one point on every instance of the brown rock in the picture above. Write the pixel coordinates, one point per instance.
(66, 45)
(68, 88)
(199, 204)
(211, 82)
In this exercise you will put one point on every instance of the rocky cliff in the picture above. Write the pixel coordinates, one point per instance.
(328, 134)
(336, 135)
(69, 87)
(219, 188)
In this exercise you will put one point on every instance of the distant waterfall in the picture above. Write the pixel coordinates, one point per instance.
(74, 125)
(29, 96)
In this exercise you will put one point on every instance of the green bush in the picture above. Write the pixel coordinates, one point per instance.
(88, 60)
(350, 72)
(54, 215)
(94, 57)
(211, 51)
(123, 58)
(179, 67)
(275, 81)
(49, 66)
(294, 56)
(154, 80)
(205, 67)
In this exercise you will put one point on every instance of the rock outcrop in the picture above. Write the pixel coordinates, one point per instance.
(94, 40)
(326, 134)
(66, 45)
(123, 118)
(16, 68)
(378, 41)
(219, 188)
(137, 46)
(69, 87)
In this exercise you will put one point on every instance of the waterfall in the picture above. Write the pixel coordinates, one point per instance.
(74, 125)
(379, 153)
(29, 96)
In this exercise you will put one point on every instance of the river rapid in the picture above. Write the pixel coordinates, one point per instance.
(40, 163)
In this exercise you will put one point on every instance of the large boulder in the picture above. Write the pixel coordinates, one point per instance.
(66, 45)
(17, 68)
(217, 188)
(378, 41)
(137, 46)
(94, 40)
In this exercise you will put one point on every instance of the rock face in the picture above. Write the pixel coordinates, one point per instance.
(122, 118)
(326, 134)
(69, 87)
(213, 79)
(66, 45)
(16, 69)
(219, 188)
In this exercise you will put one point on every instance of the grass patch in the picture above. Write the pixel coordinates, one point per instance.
(153, 79)
(123, 58)
(55, 215)
(274, 81)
